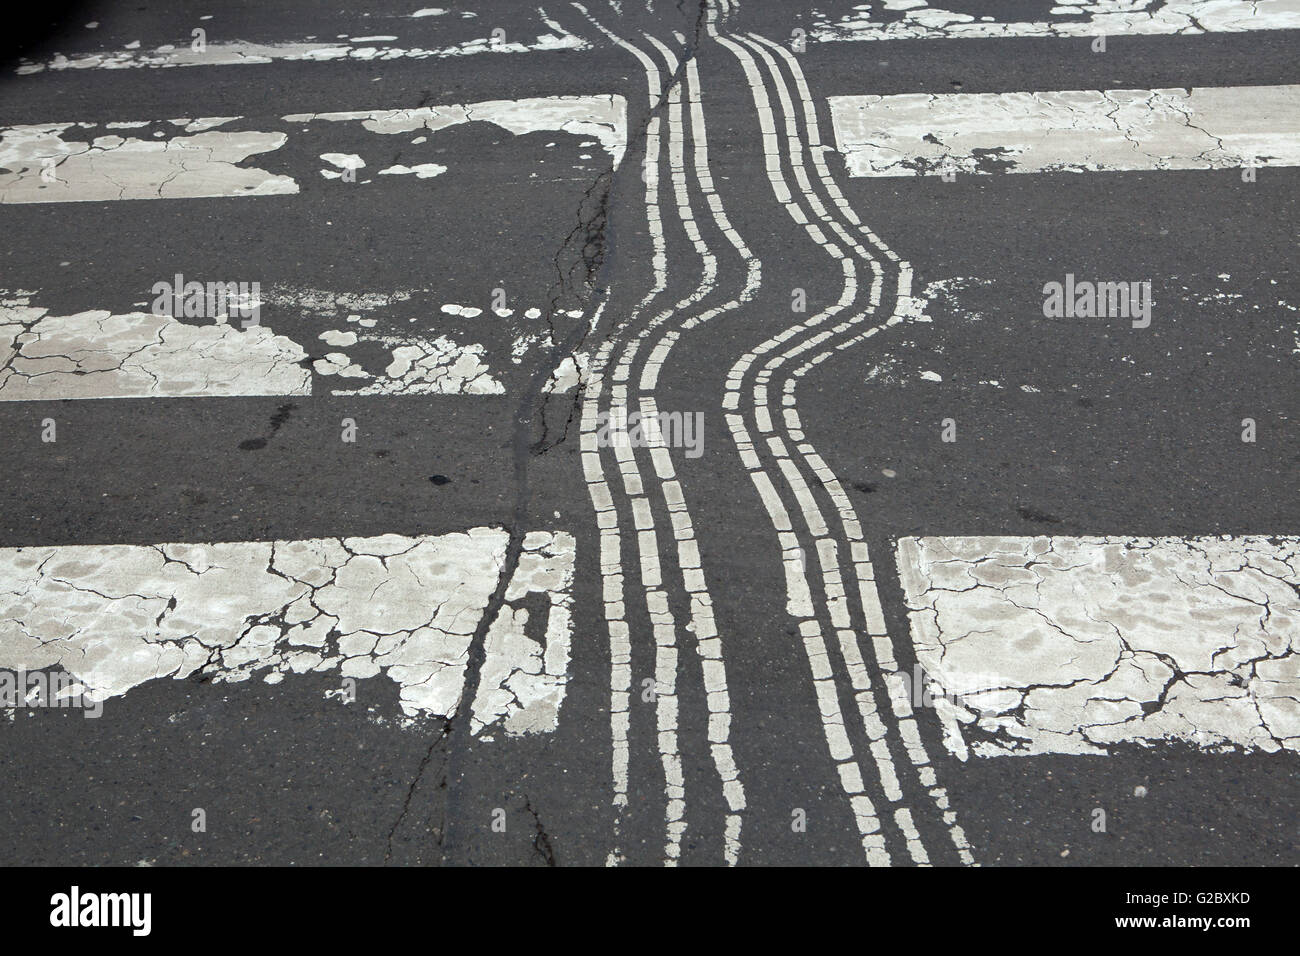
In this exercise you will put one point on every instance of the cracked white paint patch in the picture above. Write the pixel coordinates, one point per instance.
(916, 20)
(98, 354)
(115, 616)
(523, 679)
(572, 371)
(1073, 645)
(41, 163)
(1073, 131)
(240, 53)
(419, 366)
(602, 117)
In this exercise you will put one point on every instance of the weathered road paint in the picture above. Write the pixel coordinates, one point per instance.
(602, 117)
(115, 616)
(98, 354)
(194, 159)
(1074, 645)
(43, 163)
(243, 54)
(799, 342)
(917, 20)
(1072, 131)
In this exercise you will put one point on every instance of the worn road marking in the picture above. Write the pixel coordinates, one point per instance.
(702, 625)
(66, 162)
(663, 620)
(115, 616)
(607, 517)
(240, 53)
(799, 602)
(917, 20)
(812, 352)
(1074, 645)
(814, 343)
(602, 117)
(914, 134)
(98, 354)
(195, 159)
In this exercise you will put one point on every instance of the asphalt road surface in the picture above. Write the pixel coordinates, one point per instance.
(650, 433)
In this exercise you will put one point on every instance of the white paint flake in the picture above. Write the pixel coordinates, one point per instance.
(912, 20)
(568, 375)
(115, 616)
(1074, 645)
(420, 170)
(1076, 131)
(344, 161)
(419, 366)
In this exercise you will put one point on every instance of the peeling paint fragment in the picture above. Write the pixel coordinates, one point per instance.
(603, 117)
(240, 53)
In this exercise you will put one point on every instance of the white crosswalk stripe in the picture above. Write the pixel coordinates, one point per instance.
(241, 53)
(1076, 131)
(99, 354)
(197, 158)
(918, 20)
(1072, 645)
(1025, 646)
(115, 616)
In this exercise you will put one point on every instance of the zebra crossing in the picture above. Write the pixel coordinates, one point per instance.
(606, 594)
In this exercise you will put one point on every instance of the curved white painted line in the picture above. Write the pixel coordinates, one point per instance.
(663, 621)
(799, 602)
(602, 499)
(824, 544)
(702, 623)
(869, 599)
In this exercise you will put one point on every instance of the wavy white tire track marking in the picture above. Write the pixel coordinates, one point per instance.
(906, 307)
(663, 621)
(602, 499)
(708, 643)
(825, 545)
(799, 602)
